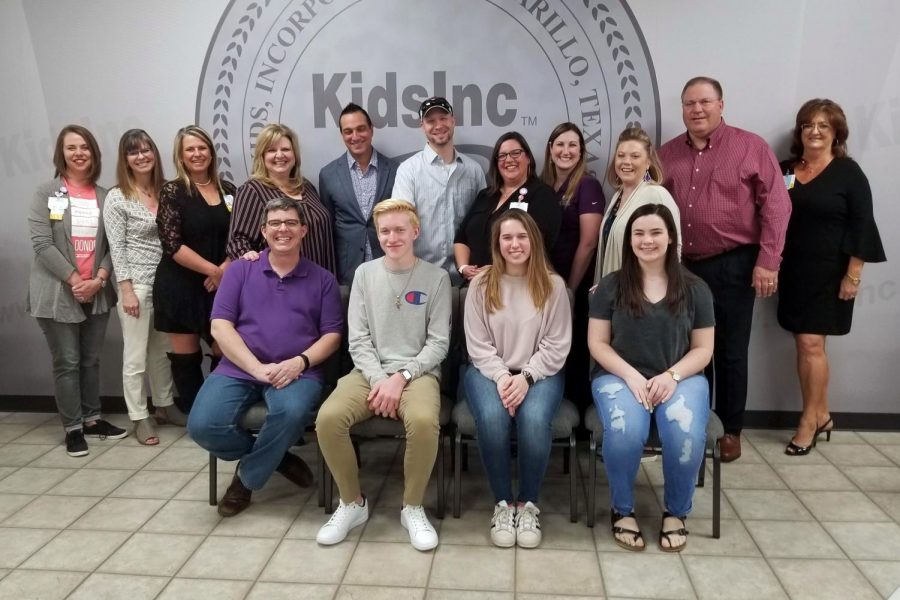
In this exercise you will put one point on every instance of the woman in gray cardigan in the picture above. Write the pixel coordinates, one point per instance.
(68, 292)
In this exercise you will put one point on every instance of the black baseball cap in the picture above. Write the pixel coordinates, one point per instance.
(432, 103)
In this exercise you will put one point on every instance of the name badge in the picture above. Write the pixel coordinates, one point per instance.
(520, 205)
(57, 206)
(789, 181)
(229, 201)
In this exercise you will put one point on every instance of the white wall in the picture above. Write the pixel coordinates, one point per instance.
(112, 65)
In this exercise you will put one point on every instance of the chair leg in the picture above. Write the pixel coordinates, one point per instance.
(213, 479)
(701, 476)
(329, 491)
(457, 473)
(592, 481)
(441, 501)
(465, 456)
(717, 490)
(356, 451)
(322, 471)
(567, 466)
(570, 459)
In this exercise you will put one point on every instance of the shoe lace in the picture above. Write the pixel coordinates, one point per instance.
(415, 516)
(340, 515)
(526, 518)
(504, 518)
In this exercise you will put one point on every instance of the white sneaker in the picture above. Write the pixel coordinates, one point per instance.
(345, 518)
(422, 535)
(503, 525)
(528, 527)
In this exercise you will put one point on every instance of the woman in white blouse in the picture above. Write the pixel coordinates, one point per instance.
(130, 215)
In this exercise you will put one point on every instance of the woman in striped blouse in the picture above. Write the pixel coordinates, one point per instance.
(276, 173)
(130, 216)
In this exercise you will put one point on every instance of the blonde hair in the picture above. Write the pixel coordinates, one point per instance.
(394, 205)
(268, 135)
(537, 273)
(181, 171)
(636, 134)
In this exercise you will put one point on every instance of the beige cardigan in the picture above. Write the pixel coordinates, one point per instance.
(647, 192)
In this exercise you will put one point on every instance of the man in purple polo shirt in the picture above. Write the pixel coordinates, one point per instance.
(734, 215)
(276, 320)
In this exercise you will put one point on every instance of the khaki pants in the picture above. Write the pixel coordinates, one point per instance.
(420, 406)
(144, 351)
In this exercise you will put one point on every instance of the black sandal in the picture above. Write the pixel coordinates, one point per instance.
(616, 530)
(665, 534)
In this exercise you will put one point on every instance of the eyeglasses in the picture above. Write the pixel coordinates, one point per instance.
(704, 104)
(513, 154)
(822, 127)
(277, 223)
(139, 151)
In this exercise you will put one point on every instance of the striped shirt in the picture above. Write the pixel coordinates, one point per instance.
(442, 193)
(245, 235)
(731, 193)
(133, 238)
(364, 187)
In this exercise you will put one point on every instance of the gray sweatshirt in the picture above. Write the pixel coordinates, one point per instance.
(385, 338)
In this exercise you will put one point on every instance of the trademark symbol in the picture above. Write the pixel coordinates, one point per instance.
(529, 121)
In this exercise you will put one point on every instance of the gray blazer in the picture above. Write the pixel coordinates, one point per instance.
(351, 227)
(49, 296)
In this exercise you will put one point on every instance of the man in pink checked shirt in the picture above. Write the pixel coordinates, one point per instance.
(734, 215)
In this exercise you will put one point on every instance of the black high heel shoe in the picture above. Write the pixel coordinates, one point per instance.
(793, 449)
(827, 432)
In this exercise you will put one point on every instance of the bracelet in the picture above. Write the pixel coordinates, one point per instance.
(853, 280)
(305, 360)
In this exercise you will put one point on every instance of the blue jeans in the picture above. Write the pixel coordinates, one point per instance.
(222, 401)
(533, 432)
(681, 423)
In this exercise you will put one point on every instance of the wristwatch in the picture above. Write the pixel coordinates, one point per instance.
(674, 375)
(460, 268)
(528, 378)
(407, 376)
(102, 282)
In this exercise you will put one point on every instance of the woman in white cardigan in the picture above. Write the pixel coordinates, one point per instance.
(637, 175)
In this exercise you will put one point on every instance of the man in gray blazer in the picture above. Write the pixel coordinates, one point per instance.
(350, 186)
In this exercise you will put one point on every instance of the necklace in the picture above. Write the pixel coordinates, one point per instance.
(208, 181)
(405, 285)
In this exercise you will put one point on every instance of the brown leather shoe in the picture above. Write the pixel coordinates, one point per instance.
(236, 498)
(296, 470)
(731, 447)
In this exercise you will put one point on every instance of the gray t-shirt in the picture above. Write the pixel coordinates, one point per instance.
(652, 343)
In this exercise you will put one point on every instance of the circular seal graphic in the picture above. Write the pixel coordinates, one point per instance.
(524, 65)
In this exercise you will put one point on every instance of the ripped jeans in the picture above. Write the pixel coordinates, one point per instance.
(681, 422)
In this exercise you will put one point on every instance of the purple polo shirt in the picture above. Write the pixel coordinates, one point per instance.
(278, 318)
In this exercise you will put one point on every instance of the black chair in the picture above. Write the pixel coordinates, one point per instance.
(714, 433)
(383, 427)
(253, 419)
(563, 425)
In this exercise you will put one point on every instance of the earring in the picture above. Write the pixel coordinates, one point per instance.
(647, 175)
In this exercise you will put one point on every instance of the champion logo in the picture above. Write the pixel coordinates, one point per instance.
(416, 297)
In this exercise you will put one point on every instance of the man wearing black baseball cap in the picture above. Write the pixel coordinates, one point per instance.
(441, 182)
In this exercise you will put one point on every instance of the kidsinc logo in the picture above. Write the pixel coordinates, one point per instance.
(416, 297)
(522, 65)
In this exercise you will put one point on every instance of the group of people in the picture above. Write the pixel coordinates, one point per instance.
(692, 235)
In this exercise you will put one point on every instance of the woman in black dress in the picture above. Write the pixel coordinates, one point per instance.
(831, 235)
(512, 183)
(193, 216)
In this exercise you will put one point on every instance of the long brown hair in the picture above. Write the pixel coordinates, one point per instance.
(494, 179)
(636, 134)
(59, 158)
(132, 140)
(268, 135)
(630, 293)
(180, 170)
(548, 173)
(836, 118)
(537, 273)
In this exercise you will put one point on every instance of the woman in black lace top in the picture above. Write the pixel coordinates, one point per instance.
(193, 217)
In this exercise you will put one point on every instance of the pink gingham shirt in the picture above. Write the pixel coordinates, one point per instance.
(730, 193)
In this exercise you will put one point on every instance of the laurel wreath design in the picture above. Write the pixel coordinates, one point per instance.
(625, 67)
(233, 51)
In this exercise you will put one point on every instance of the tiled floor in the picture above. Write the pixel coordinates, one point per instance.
(133, 522)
